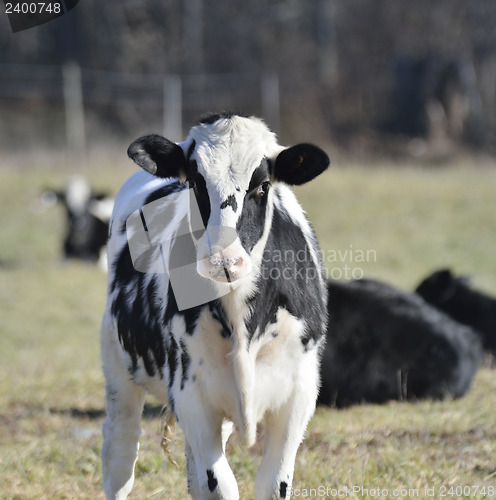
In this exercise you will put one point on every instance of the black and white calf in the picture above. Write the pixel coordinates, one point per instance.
(88, 215)
(250, 353)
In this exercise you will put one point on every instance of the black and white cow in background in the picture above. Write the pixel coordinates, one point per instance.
(249, 355)
(387, 344)
(88, 215)
(454, 296)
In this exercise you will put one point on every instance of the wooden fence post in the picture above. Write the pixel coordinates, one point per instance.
(74, 115)
(172, 108)
(270, 99)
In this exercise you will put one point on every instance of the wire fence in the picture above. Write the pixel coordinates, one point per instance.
(74, 109)
(51, 102)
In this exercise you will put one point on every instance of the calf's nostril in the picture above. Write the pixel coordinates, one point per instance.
(219, 260)
(232, 261)
(216, 260)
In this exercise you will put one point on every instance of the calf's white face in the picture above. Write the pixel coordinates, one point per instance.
(231, 164)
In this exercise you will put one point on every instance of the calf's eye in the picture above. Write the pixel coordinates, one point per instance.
(263, 189)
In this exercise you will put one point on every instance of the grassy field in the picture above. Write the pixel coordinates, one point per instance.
(410, 220)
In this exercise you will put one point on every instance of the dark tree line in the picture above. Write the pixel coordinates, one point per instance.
(423, 69)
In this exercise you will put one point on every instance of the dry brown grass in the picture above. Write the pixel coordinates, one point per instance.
(52, 388)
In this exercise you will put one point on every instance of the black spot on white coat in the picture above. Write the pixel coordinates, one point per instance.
(230, 201)
(185, 362)
(212, 480)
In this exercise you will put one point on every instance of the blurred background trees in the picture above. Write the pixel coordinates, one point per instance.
(382, 77)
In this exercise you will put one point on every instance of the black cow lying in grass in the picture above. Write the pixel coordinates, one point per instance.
(454, 296)
(385, 344)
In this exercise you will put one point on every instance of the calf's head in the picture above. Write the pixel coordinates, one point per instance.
(230, 163)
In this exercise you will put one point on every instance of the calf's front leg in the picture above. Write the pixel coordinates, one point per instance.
(209, 474)
(122, 426)
(121, 433)
(284, 431)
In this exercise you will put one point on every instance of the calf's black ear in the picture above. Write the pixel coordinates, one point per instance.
(158, 155)
(300, 164)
